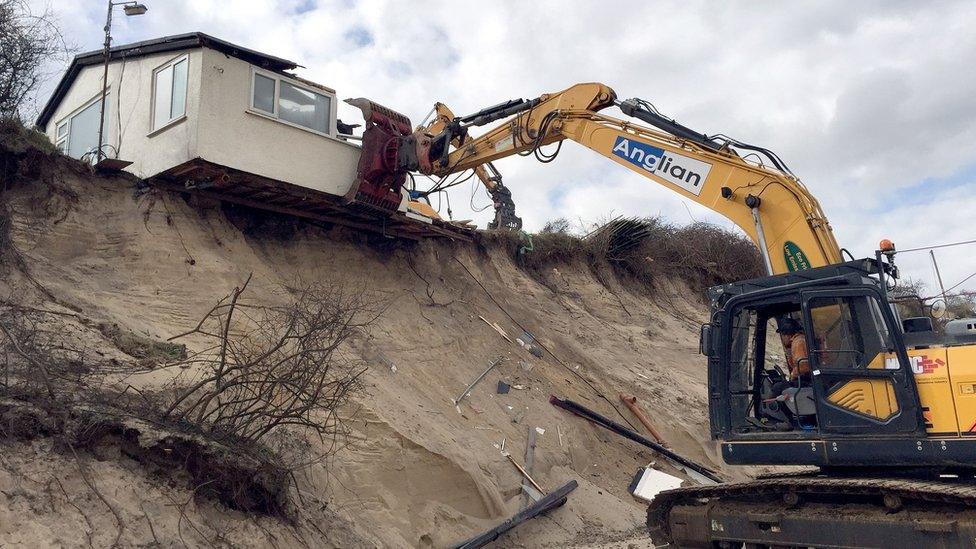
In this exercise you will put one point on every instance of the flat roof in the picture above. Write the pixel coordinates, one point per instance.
(158, 45)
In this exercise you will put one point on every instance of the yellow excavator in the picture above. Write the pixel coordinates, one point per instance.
(884, 415)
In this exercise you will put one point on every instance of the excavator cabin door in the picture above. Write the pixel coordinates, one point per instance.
(860, 374)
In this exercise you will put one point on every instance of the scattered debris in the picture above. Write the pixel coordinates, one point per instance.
(555, 499)
(526, 366)
(497, 328)
(518, 417)
(524, 472)
(503, 388)
(631, 402)
(611, 425)
(491, 366)
(649, 482)
(529, 461)
(525, 341)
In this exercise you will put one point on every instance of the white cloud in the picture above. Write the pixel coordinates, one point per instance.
(864, 100)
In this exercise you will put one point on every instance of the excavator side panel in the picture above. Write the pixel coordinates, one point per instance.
(874, 398)
(961, 363)
(932, 377)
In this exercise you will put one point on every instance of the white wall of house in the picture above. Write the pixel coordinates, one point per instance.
(150, 151)
(232, 133)
(219, 125)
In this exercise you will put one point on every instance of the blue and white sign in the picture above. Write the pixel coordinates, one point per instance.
(687, 173)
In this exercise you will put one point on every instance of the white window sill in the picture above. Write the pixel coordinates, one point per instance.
(273, 118)
(166, 126)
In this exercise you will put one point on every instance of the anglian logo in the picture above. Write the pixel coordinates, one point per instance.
(687, 173)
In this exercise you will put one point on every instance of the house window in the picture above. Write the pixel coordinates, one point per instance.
(264, 93)
(61, 141)
(77, 135)
(292, 103)
(169, 92)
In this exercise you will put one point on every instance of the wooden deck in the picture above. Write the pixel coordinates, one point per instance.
(223, 183)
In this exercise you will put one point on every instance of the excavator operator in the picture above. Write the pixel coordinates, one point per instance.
(797, 360)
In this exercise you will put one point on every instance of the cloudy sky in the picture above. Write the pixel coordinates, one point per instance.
(871, 103)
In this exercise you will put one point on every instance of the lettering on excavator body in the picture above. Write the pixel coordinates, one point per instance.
(685, 172)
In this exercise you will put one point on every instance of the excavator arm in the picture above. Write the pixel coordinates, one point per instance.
(446, 127)
(766, 201)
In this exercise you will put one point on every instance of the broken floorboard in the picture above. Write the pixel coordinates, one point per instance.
(214, 181)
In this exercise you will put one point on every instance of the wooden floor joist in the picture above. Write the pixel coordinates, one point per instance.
(222, 183)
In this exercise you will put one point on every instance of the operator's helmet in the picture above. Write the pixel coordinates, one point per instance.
(788, 325)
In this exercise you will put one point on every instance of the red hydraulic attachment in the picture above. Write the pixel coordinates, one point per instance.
(378, 179)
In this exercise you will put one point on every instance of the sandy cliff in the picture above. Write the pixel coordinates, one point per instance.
(415, 471)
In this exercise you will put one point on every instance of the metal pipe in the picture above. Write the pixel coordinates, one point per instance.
(606, 423)
(105, 54)
(938, 275)
(491, 366)
(761, 235)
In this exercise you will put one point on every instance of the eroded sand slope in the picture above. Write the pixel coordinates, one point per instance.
(416, 472)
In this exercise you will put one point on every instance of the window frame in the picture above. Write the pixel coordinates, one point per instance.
(65, 121)
(61, 141)
(278, 78)
(153, 127)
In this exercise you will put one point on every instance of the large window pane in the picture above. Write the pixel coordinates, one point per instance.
(304, 108)
(850, 332)
(264, 90)
(178, 105)
(83, 135)
(163, 98)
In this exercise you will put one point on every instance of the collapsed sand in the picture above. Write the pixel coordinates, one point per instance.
(415, 471)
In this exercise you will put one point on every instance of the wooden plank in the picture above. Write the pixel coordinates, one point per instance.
(555, 499)
(529, 458)
(286, 211)
(259, 192)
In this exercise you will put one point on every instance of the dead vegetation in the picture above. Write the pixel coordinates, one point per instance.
(237, 421)
(267, 367)
(28, 38)
(700, 254)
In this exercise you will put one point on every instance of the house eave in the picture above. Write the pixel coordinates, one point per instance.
(154, 46)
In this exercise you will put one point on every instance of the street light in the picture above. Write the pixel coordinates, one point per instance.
(130, 8)
(135, 9)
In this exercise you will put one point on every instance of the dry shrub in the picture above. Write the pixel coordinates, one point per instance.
(700, 254)
(264, 368)
(37, 358)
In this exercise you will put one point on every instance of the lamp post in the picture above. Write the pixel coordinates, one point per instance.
(130, 8)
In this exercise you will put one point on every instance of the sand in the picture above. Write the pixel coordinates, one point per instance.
(416, 472)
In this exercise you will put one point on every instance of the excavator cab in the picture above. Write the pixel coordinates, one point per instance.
(857, 394)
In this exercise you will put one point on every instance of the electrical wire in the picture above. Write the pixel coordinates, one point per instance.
(937, 246)
(961, 282)
(544, 347)
(474, 191)
(118, 105)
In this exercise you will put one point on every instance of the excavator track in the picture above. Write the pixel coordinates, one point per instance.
(808, 510)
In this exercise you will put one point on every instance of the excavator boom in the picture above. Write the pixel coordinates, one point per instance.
(767, 202)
